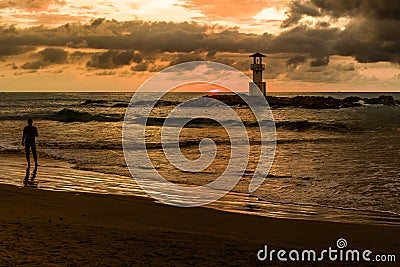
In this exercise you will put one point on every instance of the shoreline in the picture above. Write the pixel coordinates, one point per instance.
(61, 176)
(84, 228)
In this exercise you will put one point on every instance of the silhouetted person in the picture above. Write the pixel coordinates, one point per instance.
(28, 140)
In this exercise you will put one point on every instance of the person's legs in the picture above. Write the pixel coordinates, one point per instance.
(34, 154)
(27, 148)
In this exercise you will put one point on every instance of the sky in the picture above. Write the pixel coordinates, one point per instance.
(109, 45)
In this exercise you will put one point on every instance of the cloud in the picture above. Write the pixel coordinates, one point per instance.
(319, 62)
(143, 66)
(183, 58)
(370, 41)
(30, 5)
(42, 18)
(379, 9)
(275, 68)
(345, 67)
(79, 44)
(34, 65)
(159, 37)
(106, 73)
(211, 54)
(137, 35)
(371, 34)
(8, 50)
(57, 71)
(114, 59)
(297, 10)
(367, 40)
(47, 57)
(335, 73)
(302, 39)
(12, 66)
(18, 73)
(54, 55)
(296, 60)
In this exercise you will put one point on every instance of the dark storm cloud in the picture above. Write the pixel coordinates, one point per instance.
(379, 9)
(143, 66)
(372, 33)
(211, 54)
(54, 55)
(47, 57)
(159, 37)
(370, 41)
(147, 37)
(34, 65)
(303, 39)
(296, 60)
(319, 62)
(114, 59)
(9, 50)
(183, 58)
(297, 10)
(372, 36)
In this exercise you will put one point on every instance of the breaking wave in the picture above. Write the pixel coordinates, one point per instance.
(68, 115)
(318, 126)
(284, 125)
(65, 115)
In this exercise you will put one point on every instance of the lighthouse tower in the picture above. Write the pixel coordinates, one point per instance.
(257, 87)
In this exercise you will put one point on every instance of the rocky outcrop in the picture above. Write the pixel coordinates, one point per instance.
(382, 100)
(121, 105)
(93, 102)
(309, 102)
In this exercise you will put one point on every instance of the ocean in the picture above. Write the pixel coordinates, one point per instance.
(330, 164)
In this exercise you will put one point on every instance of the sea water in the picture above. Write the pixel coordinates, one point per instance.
(341, 160)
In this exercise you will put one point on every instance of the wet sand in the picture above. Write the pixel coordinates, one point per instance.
(39, 227)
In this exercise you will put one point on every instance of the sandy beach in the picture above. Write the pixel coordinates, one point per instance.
(47, 228)
(276, 122)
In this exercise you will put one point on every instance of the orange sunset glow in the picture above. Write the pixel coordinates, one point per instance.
(201, 87)
(116, 45)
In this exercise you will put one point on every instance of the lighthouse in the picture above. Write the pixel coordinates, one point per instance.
(257, 87)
